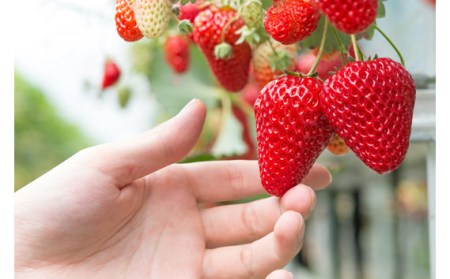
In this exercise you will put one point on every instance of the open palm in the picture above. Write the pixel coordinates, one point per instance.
(125, 210)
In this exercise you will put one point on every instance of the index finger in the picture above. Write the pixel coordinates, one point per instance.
(216, 181)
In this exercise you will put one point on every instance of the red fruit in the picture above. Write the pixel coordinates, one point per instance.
(370, 105)
(290, 21)
(126, 24)
(328, 63)
(291, 131)
(176, 48)
(231, 73)
(111, 74)
(349, 16)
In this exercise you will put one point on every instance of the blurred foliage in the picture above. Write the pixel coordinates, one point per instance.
(43, 139)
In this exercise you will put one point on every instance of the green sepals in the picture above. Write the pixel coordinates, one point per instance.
(331, 43)
(223, 51)
(249, 35)
(184, 2)
(185, 27)
(351, 58)
(279, 61)
(381, 12)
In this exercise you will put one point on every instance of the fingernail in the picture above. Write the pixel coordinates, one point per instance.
(188, 106)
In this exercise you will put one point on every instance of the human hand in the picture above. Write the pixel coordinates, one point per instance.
(126, 210)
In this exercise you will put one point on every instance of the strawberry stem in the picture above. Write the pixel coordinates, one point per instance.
(391, 43)
(321, 47)
(341, 46)
(355, 47)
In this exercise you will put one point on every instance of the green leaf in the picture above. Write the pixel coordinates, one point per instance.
(331, 44)
(381, 9)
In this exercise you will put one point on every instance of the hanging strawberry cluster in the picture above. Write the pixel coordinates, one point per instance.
(317, 90)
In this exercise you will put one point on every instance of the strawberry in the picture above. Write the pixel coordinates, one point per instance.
(337, 146)
(370, 105)
(290, 21)
(111, 74)
(252, 13)
(232, 73)
(152, 16)
(349, 16)
(291, 131)
(126, 24)
(261, 61)
(176, 48)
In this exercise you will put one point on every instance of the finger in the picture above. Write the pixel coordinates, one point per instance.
(232, 180)
(280, 274)
(258, 259)
(167, 143)
(253, 220)
(318, 177)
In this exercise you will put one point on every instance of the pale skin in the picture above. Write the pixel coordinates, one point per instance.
(127, 210)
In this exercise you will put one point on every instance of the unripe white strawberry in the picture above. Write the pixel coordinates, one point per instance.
(152, 16)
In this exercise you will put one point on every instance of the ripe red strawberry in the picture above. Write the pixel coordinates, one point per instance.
(152, 16)
(370, 105)
(126, 24)
(337, 146)
(231, 73)
(291, 131)
(176, 48)
(111, 74)
(290, 21)
(262, 68)
(349, 16)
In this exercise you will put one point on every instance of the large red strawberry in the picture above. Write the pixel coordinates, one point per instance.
(290, 21)
(232, 73)
(291, 131)
(370, 105)
(126, 24)
(111, 74)
(349, 16)
(176, 48)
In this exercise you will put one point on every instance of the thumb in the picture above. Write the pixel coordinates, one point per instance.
(150, 151)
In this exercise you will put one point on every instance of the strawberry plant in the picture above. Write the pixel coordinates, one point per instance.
(283, 80)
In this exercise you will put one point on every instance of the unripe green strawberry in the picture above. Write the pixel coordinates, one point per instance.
(349, 16)
(370, 105)
(290, 21)
(232, 73)
(252, 13)
(152, 16)
(291, 131)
